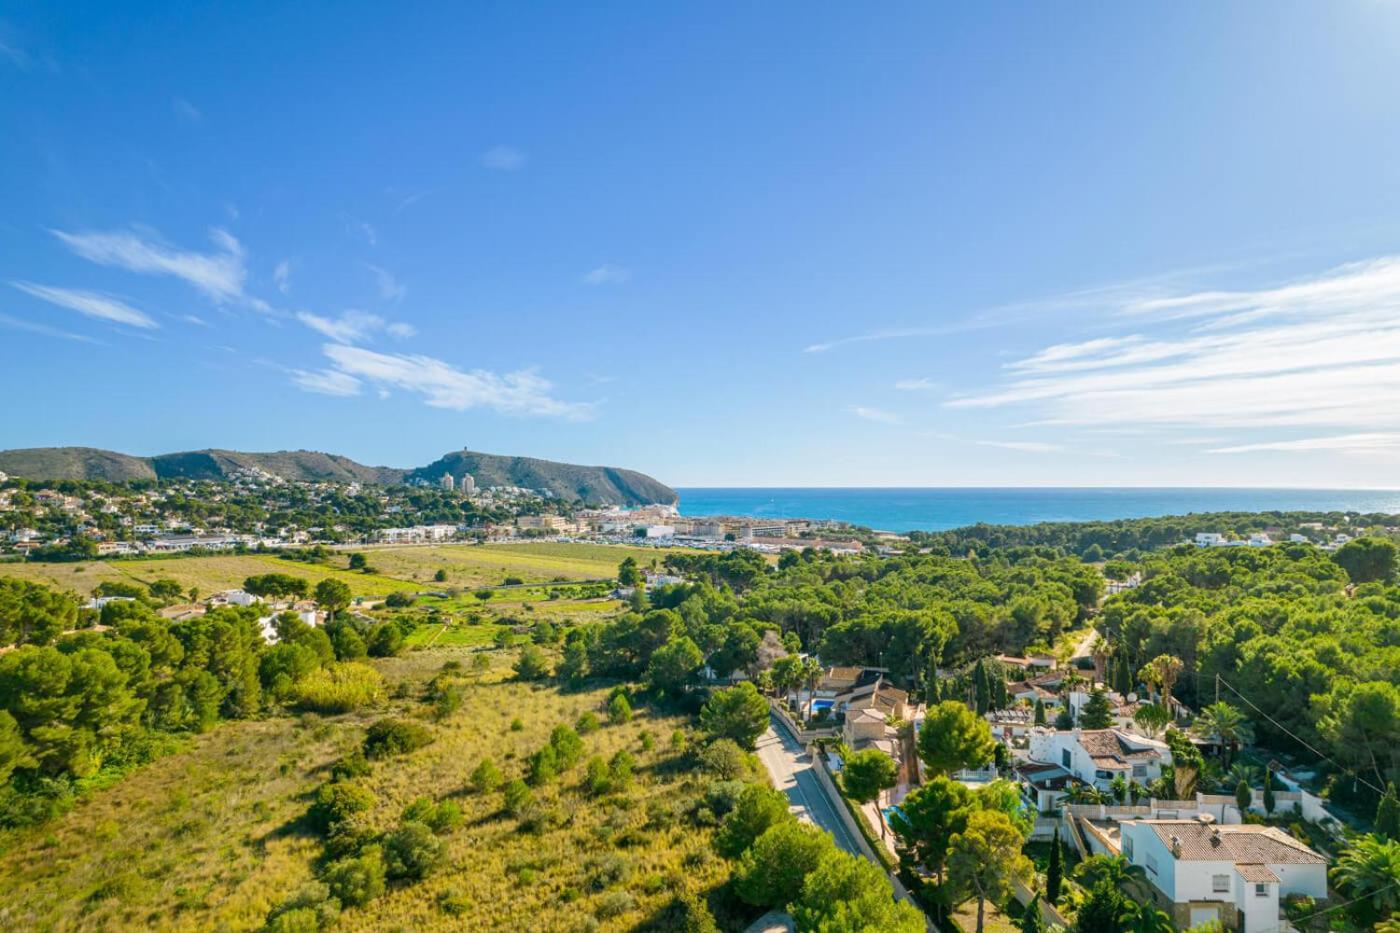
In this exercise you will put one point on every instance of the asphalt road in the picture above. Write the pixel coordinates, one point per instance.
(790, 767)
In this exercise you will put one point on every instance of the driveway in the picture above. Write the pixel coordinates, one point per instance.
(790, 767)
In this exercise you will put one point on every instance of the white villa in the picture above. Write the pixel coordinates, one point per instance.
(1204, 871)
(1097, 756)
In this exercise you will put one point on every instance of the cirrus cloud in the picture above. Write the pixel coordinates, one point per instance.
(91, 304)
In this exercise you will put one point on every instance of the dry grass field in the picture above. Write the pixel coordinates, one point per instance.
(209, 837)
(395, 568)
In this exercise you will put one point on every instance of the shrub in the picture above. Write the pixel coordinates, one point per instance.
(597, 777)
(442, 817)
(587, 722)
(337, 801)
(613, 904)
(620, 769)
(399, 600)
(543, 766)
(340, 688)
(568, 747)
(453, 902)
(723, 796)
(350, 766)
(390, 736)
(516, 725)
(724, 759)
(359, 880)
(412, 851)
(309, 908)
(385, 640)
(517, 795)
(486, 777)
(608, 871)
(350, 836)
(619, 710)
(678, 740)
(532, 664)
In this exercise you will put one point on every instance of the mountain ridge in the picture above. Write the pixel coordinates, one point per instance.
(601, 484)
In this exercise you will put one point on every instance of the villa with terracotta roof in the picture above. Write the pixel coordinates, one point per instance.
(1238, 874)
(1097, 756)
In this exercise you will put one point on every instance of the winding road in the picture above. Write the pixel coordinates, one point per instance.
(791, 769)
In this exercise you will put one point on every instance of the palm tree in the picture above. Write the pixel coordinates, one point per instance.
(1085, 793)
(1145, 918)
(1162, 672)
(1239, 771)
(1369, 873)
(1226, 725)
(812, 671)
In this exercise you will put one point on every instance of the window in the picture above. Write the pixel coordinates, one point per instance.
(1220, 884)
(1128, 847)
(1139, 770)
(1151, 863)
(1261, 890)
(1066, 759)
(1104, 775)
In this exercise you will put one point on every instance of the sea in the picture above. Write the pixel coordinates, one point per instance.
(938, 509)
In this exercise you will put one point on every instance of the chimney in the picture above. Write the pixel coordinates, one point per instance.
(1176, 846)
(1215, 836)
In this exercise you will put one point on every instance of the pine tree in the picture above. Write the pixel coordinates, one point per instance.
(931, 691)
(1053, 872)
(1388, 814)
(1097, 713)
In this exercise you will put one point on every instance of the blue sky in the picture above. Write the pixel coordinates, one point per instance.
(727, 244)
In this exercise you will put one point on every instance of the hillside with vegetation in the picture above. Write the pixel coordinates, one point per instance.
(601, 485)
(560, 761)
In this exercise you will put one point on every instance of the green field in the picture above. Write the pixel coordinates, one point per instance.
(395, 568)
(209, 838)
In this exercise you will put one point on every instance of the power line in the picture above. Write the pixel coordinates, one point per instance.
(1301, 741)
(1332, 907)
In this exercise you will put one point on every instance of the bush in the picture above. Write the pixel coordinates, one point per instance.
(399, 600)
(349, 837)
(441, 817)
(348, 644)
(310, 908)
(568, 747)
(350, 766)
(608, 871)
(587, 722)
(388, 737)
(357, 881)
(532, 664)
(613, 904)
(724, 759)
(723, 796)
(340, 688)
(542, 767)
(412, 851)
(517, 796)
(486, 777)
(619, 710)
(338, 801)
(385, 640)
(757, 809)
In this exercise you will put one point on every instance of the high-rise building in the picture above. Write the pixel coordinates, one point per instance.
(468, 484)
(448, 482)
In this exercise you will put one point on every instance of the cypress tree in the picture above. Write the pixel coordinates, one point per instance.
(1269, 802)
(1243, 796)
(1031, 920)
(1388, 814)
(983, 686)
(1123, 675)
(1040, 712)
(1054, 873)
(931, 691)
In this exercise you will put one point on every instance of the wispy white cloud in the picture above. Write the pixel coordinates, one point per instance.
(1025, 447)
(194, 319)
(606, 275)
(875, 414)
(327, 382)
(354, 326)
(443, 385)
(219, 274)
(186, 111)
(91, 304)
(923, 384)
(360, 228)
(282, 276)
(1322, 352)
(1379, 440)
(390, 289)
(503, 159)
(34, 327)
